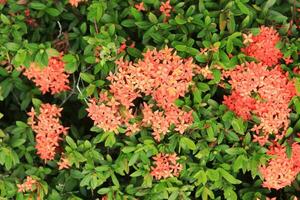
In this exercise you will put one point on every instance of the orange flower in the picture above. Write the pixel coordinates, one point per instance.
(122, 47)
(64, 163)
(28, 186)
(75, 2)
(203, 51)
(108, 115)
(165, 166)
(288, 60)
(281, 171)
(247, 38)
(50, 78)
(140, 6)
(48, 130)
(162, 75)
(104, 197)
(165, 8)
(263, 46)
(258, 90)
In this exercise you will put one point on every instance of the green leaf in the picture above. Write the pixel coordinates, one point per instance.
(213, 174)
(187, 143)
(128, 149)
(53, 12)
(12, 46)
(103, 190)
(136, 14)
(222, 21)
(136, 174)
(174, 195)
(238, 126)
(36, 102)
(95, 12)
(268, 5)
(180, 20)
(115, 180)
(71, 142)
(201, 177)
(128, 23)
(87, 77)
(232, 136)
(228, 177)
(238, 163)
(110, 140)
(180, 47)
(20, 58)
(152, 18)
(229, 46)
(37, 6)
(134, 52)
(71, 63)
(231, 22)
(197, 96)
(230, 194)
(18, 142)
(207, 192)
(242, 7)
(4, 19)
(133, 159)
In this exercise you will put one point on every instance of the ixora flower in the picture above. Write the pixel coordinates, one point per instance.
(160, 121)
(165, 8)
(108, 114)
(258, 90)
(140, 6)
(29, 185)
(75, 2)
(51, 78)
(162, 75)
(281, 171)
(263, 46)
(165, 165)
(48, 130)
(63, 163)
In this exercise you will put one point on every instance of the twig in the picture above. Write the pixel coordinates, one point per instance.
(71, 93)
(96, 26)
(60, 29)
(77, 87)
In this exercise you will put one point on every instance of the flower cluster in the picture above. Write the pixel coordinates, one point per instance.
(165, 166)
(258, 90)
(63, 163)
(108, 114)
(263, 46)
(165, 8)
(162, 120)
(75, 2)
(27, 186)
(162, 75)
(281, 171)
(51, 78)
(48, 130)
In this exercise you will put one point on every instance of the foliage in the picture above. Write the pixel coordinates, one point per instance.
(216, 155)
